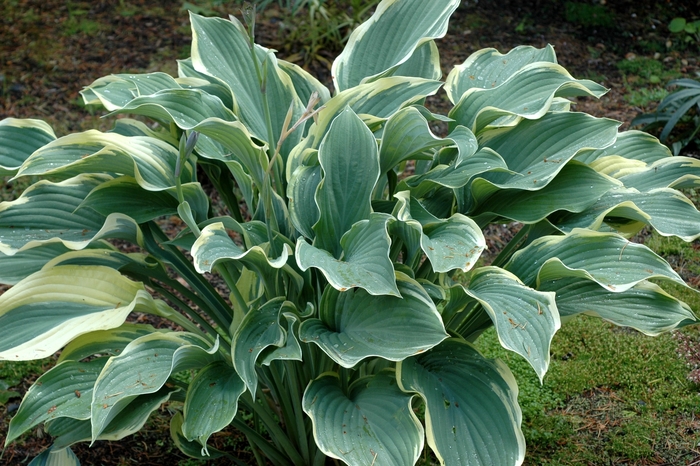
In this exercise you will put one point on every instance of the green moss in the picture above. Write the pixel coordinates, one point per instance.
(75, 25)
(641, 66)
(645, 96)
(611, 395)
(586, 15)
(12, 373)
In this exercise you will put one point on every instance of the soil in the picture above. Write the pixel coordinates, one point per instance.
(50, 49)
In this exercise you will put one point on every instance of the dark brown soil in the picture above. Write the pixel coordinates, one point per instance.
(50, 49)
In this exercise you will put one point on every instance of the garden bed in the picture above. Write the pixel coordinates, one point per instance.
(49, 50)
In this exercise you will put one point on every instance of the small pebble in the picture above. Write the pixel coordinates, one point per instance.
(12, 407)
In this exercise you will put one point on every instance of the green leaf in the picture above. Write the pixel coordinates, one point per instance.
(221, 49)
(291, 351)
(259, 330)
(372, 424)
(407, 230)
(389, 38)
(645, 307)
(529, 93)
(67, 431)
(56, 457)
(438, 203)
(133, 264)
(423, 63)
(348, 151)
(606, 258)
(5, 394)
(105, 342)
(448, 243)
(469, 402)
(184, 107)
(377, 100)
(129, 127)
(143, 368)
(236, 139)
(455, 177)
(214, 245)
(22, 264)
(632, 145)
(455, 243)
(488, 68)
(124, 422)
(672, 172)
(354, 325)
(149, 160)
(212, 402)
(25, 236)
(184, 211)
(116, 90)
(407, 135)
(19, 139)
(284, 225)
(45, 212)
(304, 83)
(677, 25)
(110, 92)
(64, 391)
(190, 448)
(525, 319)
(538, 150)
(365, 259)
(124, 194)
(301, 195)
(48, 309)
(667, 210)
(381, 98)
(575, 188)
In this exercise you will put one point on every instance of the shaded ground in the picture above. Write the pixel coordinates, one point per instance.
(50, 49)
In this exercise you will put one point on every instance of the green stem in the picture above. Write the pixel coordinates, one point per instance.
(266, 187)
(273, 143)
(256, 452)
(262, 79)
(239, 304)
(296, 397)
(225, 186)
(270, 218)
(182, 321)
(475, 321)
(223, 338)
(257, 440)
(187, 293)
(276, 433)
(425, 270)
(344, 379)
(512, 246)
(284, 398)
(216, 307)
(289, 398)
(395, 250)
(319, 458)
(178, 188)
(392, 181)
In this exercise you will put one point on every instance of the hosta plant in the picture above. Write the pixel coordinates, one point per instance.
(348, 236)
